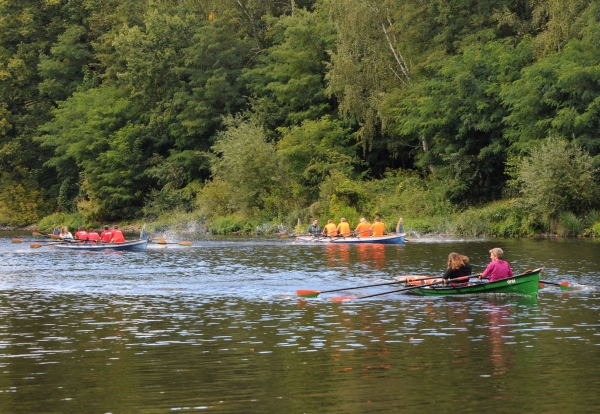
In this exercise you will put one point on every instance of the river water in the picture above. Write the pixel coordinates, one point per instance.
(217, 327)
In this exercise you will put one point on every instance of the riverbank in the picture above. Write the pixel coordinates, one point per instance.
(498, 219)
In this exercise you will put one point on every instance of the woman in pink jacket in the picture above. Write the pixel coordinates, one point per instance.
(498, 269)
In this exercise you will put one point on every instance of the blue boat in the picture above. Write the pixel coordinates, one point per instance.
(394, 238)
(138, 245)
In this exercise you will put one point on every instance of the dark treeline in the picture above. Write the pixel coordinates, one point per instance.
(254, 111)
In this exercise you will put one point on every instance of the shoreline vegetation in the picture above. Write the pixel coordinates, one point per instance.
(246, 117)
(495, 220)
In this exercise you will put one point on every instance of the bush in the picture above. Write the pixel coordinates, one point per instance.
(403, 194)
(569, 225)
(55, 221)
(555, 178)
(591, 218)
(595, 230)
(231, 224)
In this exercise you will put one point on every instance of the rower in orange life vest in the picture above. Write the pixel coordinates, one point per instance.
(117, 235)
(363, 229)
(377, 228)
(106, 235)
(330, 229)
(343, 229)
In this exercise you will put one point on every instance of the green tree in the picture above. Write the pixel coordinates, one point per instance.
(288, 83)
(559, 94)
(312, 151)
(97, 142)
(214, 63)
(556, 177)
(457, 115)
(251, 169)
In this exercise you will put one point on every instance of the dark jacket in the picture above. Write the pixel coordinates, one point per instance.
(314, 230)
(461, 271)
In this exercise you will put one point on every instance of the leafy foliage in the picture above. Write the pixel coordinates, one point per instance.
(249, 167)
(270, 110)
(556, 178)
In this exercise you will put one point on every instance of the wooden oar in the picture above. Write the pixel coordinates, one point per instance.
(306, 293)
(163, 241)
(563, 285)
(344, 298)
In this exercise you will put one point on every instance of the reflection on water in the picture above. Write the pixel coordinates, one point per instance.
(217, 328)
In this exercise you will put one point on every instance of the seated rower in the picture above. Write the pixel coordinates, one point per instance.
(314, 229)
(117, 235)
(378, 228)
(106, 235)
(81, 234)
(65, 234)
(343, 229)
(363, 229)
(498, 269)
(458, 265)
(330, 229)
(93, 236)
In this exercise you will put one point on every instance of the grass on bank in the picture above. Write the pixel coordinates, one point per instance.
(498, 219)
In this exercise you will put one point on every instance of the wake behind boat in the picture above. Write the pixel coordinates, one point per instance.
(137, 245)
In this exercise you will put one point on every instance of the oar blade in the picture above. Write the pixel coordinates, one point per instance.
(185, 243)
(35, 245)
(37, 234)
(564, 285)
(305, 293)
(16, 240)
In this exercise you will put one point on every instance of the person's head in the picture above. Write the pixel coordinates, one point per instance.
(377, 218)
(329, 221)
(363, 220)
(342, 219)
(64, 230)
(496, 253)
(115, 227)
(106, 227)
(315, 222)
(91, 231)
(81, 228)
(455, 260)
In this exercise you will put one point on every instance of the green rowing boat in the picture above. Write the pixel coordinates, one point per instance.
(524, 284)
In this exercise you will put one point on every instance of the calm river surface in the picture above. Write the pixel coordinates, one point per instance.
(218, 328)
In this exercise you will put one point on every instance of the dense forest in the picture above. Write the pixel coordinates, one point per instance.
(461, 116)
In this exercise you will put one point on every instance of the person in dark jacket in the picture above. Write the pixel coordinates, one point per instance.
(314, 229)
(458, 265)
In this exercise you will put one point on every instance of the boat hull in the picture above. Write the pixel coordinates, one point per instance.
(136, 245)
(397, 238)
(526, 284)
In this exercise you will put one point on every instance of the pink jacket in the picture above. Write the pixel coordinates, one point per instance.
(497, 270)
